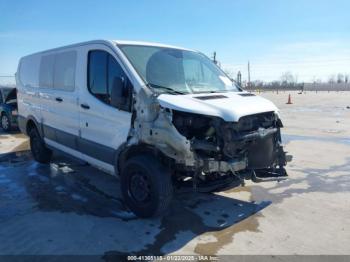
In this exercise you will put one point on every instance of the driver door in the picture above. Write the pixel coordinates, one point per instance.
(103, 128)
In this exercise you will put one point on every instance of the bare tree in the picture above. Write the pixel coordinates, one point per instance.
(340, 78)
(331, 79)
(287, 78)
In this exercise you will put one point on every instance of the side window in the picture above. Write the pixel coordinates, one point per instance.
(102, 74)
(46, 71)
(64, 72)
(97, 75)
(29, 70)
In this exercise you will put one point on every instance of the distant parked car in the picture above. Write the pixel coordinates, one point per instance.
(8, 108)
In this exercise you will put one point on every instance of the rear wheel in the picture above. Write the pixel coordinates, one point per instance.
(39, 151)
(146, 186)
(5, 122)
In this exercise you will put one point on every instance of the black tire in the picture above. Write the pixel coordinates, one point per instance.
(146, 186)
(39, 151)
(5, 122)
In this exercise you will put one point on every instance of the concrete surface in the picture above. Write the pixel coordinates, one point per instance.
(71, 208)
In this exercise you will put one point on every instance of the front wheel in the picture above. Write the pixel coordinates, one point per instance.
(39, 151)
(146, 186)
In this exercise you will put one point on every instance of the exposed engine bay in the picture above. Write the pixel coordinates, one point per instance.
(248, 149)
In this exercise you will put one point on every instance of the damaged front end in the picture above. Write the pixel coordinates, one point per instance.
(206, 152)
(227, 153)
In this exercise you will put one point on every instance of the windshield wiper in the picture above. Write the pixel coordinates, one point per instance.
(165, 88)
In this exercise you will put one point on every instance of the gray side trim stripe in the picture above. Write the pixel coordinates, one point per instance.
(50, 132)
(95, 150)
(87, 147)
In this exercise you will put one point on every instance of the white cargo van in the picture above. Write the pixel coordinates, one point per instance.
(158, 116)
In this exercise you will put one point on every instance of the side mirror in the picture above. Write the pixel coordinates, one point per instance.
(118, 98)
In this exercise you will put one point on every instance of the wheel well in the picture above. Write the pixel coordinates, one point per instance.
(140, 149)
(30, 125)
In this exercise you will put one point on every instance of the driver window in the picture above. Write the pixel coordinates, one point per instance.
(102, 70)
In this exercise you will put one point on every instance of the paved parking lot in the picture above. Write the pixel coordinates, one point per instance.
(68, 207)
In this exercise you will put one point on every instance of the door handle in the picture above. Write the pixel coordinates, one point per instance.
(58, 99)
(85, 106)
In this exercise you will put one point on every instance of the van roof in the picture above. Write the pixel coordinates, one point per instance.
(141, 43)
(110, 42)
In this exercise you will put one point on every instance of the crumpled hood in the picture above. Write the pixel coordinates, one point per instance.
(230, 106)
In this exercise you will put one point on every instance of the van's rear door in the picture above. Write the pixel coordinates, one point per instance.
(59, 99)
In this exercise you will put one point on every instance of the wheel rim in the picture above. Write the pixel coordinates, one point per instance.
(139, 187)
(4, 122)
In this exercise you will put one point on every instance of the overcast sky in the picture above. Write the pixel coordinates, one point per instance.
(309, 38)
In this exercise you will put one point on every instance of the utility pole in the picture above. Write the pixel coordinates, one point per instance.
(248, 73)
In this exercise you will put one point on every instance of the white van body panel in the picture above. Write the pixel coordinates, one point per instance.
(28, 95)
(59, 108)
(59, 112)
(230, 108)
(124, 42)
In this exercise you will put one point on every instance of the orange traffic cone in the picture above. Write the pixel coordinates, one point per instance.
(289, 100)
